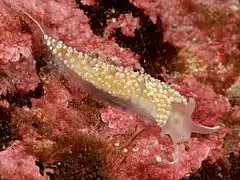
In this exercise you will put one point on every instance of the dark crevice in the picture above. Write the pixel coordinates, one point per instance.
(148, 40)
(8, 131)
(38, 92)
(219, 170)
(42, 61)
(23, 98)
(24, 26)
(18, 98)
(106, 9)
(40, 166)
(5, 128)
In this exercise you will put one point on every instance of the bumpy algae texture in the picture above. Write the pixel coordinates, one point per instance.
(51, 128)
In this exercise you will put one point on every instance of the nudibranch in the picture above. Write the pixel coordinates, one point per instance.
(148, 95)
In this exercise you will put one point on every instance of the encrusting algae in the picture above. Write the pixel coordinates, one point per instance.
(155, 99)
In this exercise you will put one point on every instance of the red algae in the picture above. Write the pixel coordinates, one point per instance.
(52, 128)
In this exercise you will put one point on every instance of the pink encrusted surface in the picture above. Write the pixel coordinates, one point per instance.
(17, 164)
(129, 148)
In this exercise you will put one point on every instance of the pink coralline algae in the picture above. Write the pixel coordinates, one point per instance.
(52, 127)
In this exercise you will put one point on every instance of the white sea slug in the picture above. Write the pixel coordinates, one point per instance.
(143, 93)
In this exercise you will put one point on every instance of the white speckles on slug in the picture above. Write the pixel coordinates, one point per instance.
(48, 42)
(59, 46)
(54, 51)
(59, 55)
(53, 41)
(80, 55)
(121, 82)
(45, 36)
(69, 50)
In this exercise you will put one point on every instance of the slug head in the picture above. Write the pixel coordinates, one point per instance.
(180, 126)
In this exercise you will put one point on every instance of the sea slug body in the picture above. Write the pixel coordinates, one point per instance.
(155, 99)
(138, 88)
